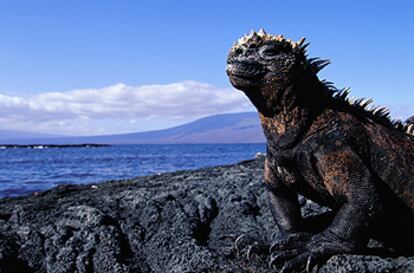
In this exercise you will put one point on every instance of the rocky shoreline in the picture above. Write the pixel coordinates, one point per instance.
(185, 221)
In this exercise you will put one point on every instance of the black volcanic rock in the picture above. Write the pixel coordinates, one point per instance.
(184, 221)
(410, 120)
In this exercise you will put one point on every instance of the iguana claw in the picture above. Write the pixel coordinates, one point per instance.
(252, 246)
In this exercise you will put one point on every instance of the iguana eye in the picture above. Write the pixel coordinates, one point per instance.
(270, 52)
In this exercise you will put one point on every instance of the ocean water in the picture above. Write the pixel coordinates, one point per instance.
(23, 171)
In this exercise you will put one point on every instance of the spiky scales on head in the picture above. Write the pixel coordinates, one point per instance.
(274, 44)
(262, 37)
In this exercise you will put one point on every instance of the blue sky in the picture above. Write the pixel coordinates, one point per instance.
(61, 54)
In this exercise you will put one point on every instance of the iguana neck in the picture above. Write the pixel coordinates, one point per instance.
(287, 114)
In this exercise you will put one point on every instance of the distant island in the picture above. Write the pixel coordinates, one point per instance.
(46, 146)
(224, 128)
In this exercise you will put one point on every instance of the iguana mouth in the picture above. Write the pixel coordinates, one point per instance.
(245, 70)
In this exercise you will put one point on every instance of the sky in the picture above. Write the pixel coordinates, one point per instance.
(93, 67)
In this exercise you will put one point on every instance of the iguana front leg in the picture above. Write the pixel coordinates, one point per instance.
(285, 210)
(283, 202)
(346, 178)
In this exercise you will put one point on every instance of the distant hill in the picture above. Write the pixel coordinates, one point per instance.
(224, 128)
(11, 134)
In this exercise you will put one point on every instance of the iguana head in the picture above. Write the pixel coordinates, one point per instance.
(264, 66)
(259, 58)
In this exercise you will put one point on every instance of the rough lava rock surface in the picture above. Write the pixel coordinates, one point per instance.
(186, 221)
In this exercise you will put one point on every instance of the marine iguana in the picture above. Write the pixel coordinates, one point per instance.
(338, 152)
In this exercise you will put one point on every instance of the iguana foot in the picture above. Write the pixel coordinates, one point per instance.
(250, 246)
(286, 247)
(301, 251)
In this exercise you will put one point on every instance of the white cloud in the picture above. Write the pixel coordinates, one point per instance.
(117, 108)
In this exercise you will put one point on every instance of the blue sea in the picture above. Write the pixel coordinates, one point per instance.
(24, 170)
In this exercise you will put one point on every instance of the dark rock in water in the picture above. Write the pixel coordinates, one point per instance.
(185, 221)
